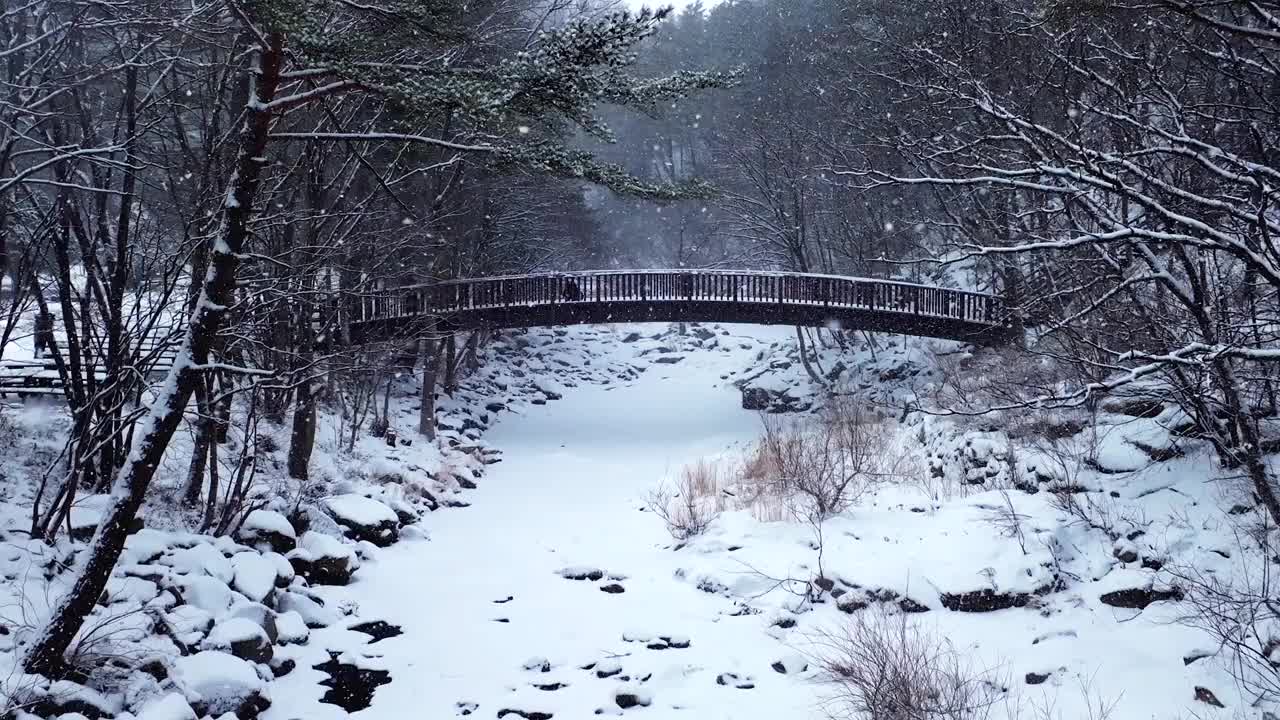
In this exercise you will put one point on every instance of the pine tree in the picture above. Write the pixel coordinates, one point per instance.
(418, 59)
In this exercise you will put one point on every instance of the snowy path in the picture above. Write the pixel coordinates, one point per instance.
(568, 494)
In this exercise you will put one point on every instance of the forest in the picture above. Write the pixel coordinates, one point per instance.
(194, 196)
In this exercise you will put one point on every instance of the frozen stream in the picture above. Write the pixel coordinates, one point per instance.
(568, 494)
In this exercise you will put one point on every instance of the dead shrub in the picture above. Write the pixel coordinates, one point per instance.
(824, 466)
(694, 502)
(883, 666)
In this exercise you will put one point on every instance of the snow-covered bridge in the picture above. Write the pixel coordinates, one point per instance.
(766, 298)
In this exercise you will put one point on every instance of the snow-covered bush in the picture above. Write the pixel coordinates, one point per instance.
(694, 501)
(883, 666)
(820, 468)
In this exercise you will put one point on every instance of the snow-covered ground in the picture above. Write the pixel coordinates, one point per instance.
(548, 588)
(486, 598)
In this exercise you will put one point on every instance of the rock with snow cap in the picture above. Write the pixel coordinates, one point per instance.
(364, 518)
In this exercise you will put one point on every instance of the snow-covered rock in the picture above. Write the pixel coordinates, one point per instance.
(313, 614)
(241, 637)
(167, 707)
(323, 559)
(254, 575)
(363, 518)
(217, 682)
(188, 623)
(291, 629)
(201, 559)
(268, 528)
(207, 593)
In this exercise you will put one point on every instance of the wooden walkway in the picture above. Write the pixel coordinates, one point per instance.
(765, 298)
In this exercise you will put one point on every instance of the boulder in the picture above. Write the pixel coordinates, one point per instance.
(254, 575)
(313, 613)
(754, 398)
(363, 518)
(265, 527)
(1138, 598)
(242, 638)
(167, 707)
(216, 683)
(323, 560)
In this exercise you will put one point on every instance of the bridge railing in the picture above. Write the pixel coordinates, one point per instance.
(447, 297)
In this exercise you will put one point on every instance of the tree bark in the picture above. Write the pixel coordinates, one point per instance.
(45, 656)
(302, 439)
(427, 409)
(199, 453)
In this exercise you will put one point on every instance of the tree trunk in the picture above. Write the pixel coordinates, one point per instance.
(204, 438)
(303, 438)
(45, 656)
(804, 357)
(451, 364)
(427, 411)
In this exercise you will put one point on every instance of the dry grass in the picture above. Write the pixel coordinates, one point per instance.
(802, 470)
(693, 502)
(883, 666)
(822, 467)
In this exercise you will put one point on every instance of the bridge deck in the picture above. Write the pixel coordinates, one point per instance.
(769, 298)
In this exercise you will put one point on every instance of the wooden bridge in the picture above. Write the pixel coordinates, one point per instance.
(764, 298)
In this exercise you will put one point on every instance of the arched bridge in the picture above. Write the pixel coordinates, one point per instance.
(766, 298)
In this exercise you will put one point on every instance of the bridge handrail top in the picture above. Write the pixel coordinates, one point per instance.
(691, 271)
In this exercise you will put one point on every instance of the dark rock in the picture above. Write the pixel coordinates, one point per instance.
(985, 600)
(465, 483)
(1125, 554)
(551, 687)
(907, 605)
(495, 407)
(1194, 656)
(627, 700)
(526, 714)
(785, 623)
(613, 589)
(1206, 696)
(350, 688)
(755, 399)
(377, 629)
(466, 708)
(631, 337)
(1133, 407)
(1239, 509)
(702, 333)
(282, 666)
(1036, 678)
(1138, 598)
(591, 574)
(364, 518)
(735, 680)
(508, 599)
(669, 359)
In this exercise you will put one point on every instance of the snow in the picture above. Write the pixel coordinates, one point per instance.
(569, 498)
(234, 630)
(268, 521)
(488, 595)
(219, 681)
(255, 575)
(171, 706)
(359, 510)
(207, 593)
(202, 559)
(324, 546)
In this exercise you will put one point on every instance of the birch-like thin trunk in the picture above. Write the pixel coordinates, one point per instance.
(45, 655)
